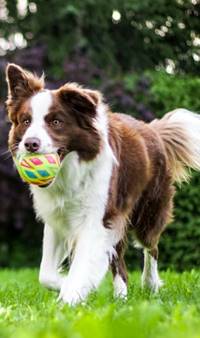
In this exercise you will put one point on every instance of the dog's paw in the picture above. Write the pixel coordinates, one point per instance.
(120, 288)
(70, 297)
(153, 285)
(71, 294)
(51, 282)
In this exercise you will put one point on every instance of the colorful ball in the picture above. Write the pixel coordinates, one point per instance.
(38, 169)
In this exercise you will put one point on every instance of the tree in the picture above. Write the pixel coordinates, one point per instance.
(117, 35)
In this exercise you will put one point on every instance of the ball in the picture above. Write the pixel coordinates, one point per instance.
(38, 169)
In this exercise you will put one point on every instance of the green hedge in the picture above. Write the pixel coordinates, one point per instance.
(171, 91)
(179, 246)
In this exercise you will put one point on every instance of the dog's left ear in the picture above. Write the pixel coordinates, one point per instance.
(83, 102)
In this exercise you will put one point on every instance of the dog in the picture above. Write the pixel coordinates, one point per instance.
(117, 174)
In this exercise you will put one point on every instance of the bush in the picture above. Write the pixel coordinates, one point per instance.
(147, 34)
(179, 245)
(171, 91)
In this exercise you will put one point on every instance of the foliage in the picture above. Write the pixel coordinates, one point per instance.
(169, 92)
(147, 34)
(179, 244)
(28, 310)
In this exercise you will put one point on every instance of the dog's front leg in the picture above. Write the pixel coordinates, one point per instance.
(89, 265)
(52, 255)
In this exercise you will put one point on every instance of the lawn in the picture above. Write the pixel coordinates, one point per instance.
(29, 311)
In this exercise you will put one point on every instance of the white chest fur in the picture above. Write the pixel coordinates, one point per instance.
(78, 194)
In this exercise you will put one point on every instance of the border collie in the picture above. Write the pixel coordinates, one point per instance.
(117, 174)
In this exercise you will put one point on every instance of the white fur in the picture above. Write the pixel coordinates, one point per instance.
(53, 254)
(40, 104)
(73, 207)
(190, 122)
(120, 287)
(150, 276)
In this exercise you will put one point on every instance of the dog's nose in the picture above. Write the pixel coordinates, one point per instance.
(32, 144)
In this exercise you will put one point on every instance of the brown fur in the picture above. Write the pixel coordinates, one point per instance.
(21, 86)
(141, 189)
(17, 118)
(78, 133)
(118, 265)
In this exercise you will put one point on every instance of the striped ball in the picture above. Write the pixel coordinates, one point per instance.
(38, 169)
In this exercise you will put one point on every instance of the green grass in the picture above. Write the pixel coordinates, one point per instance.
(29, 311)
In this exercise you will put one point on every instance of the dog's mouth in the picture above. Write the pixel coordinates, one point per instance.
(62, 152)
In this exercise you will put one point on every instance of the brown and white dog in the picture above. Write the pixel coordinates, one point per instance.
(117, 174)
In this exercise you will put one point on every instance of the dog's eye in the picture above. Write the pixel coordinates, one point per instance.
(55, 123)
(27, 122)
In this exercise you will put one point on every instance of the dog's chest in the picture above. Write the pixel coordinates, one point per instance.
(79, 192)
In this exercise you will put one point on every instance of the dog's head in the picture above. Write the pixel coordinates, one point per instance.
(46, 121)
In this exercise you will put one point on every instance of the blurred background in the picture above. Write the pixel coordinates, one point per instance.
(143, 55)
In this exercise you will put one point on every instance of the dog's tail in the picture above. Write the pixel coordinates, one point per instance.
(180, 132)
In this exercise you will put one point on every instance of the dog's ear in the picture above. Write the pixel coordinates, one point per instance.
(21, 83)
(94, 95)
(82, 102)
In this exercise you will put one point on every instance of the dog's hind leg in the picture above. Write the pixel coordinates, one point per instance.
(149, 220)
(52, 256)
(150, 276)
(120, 276)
